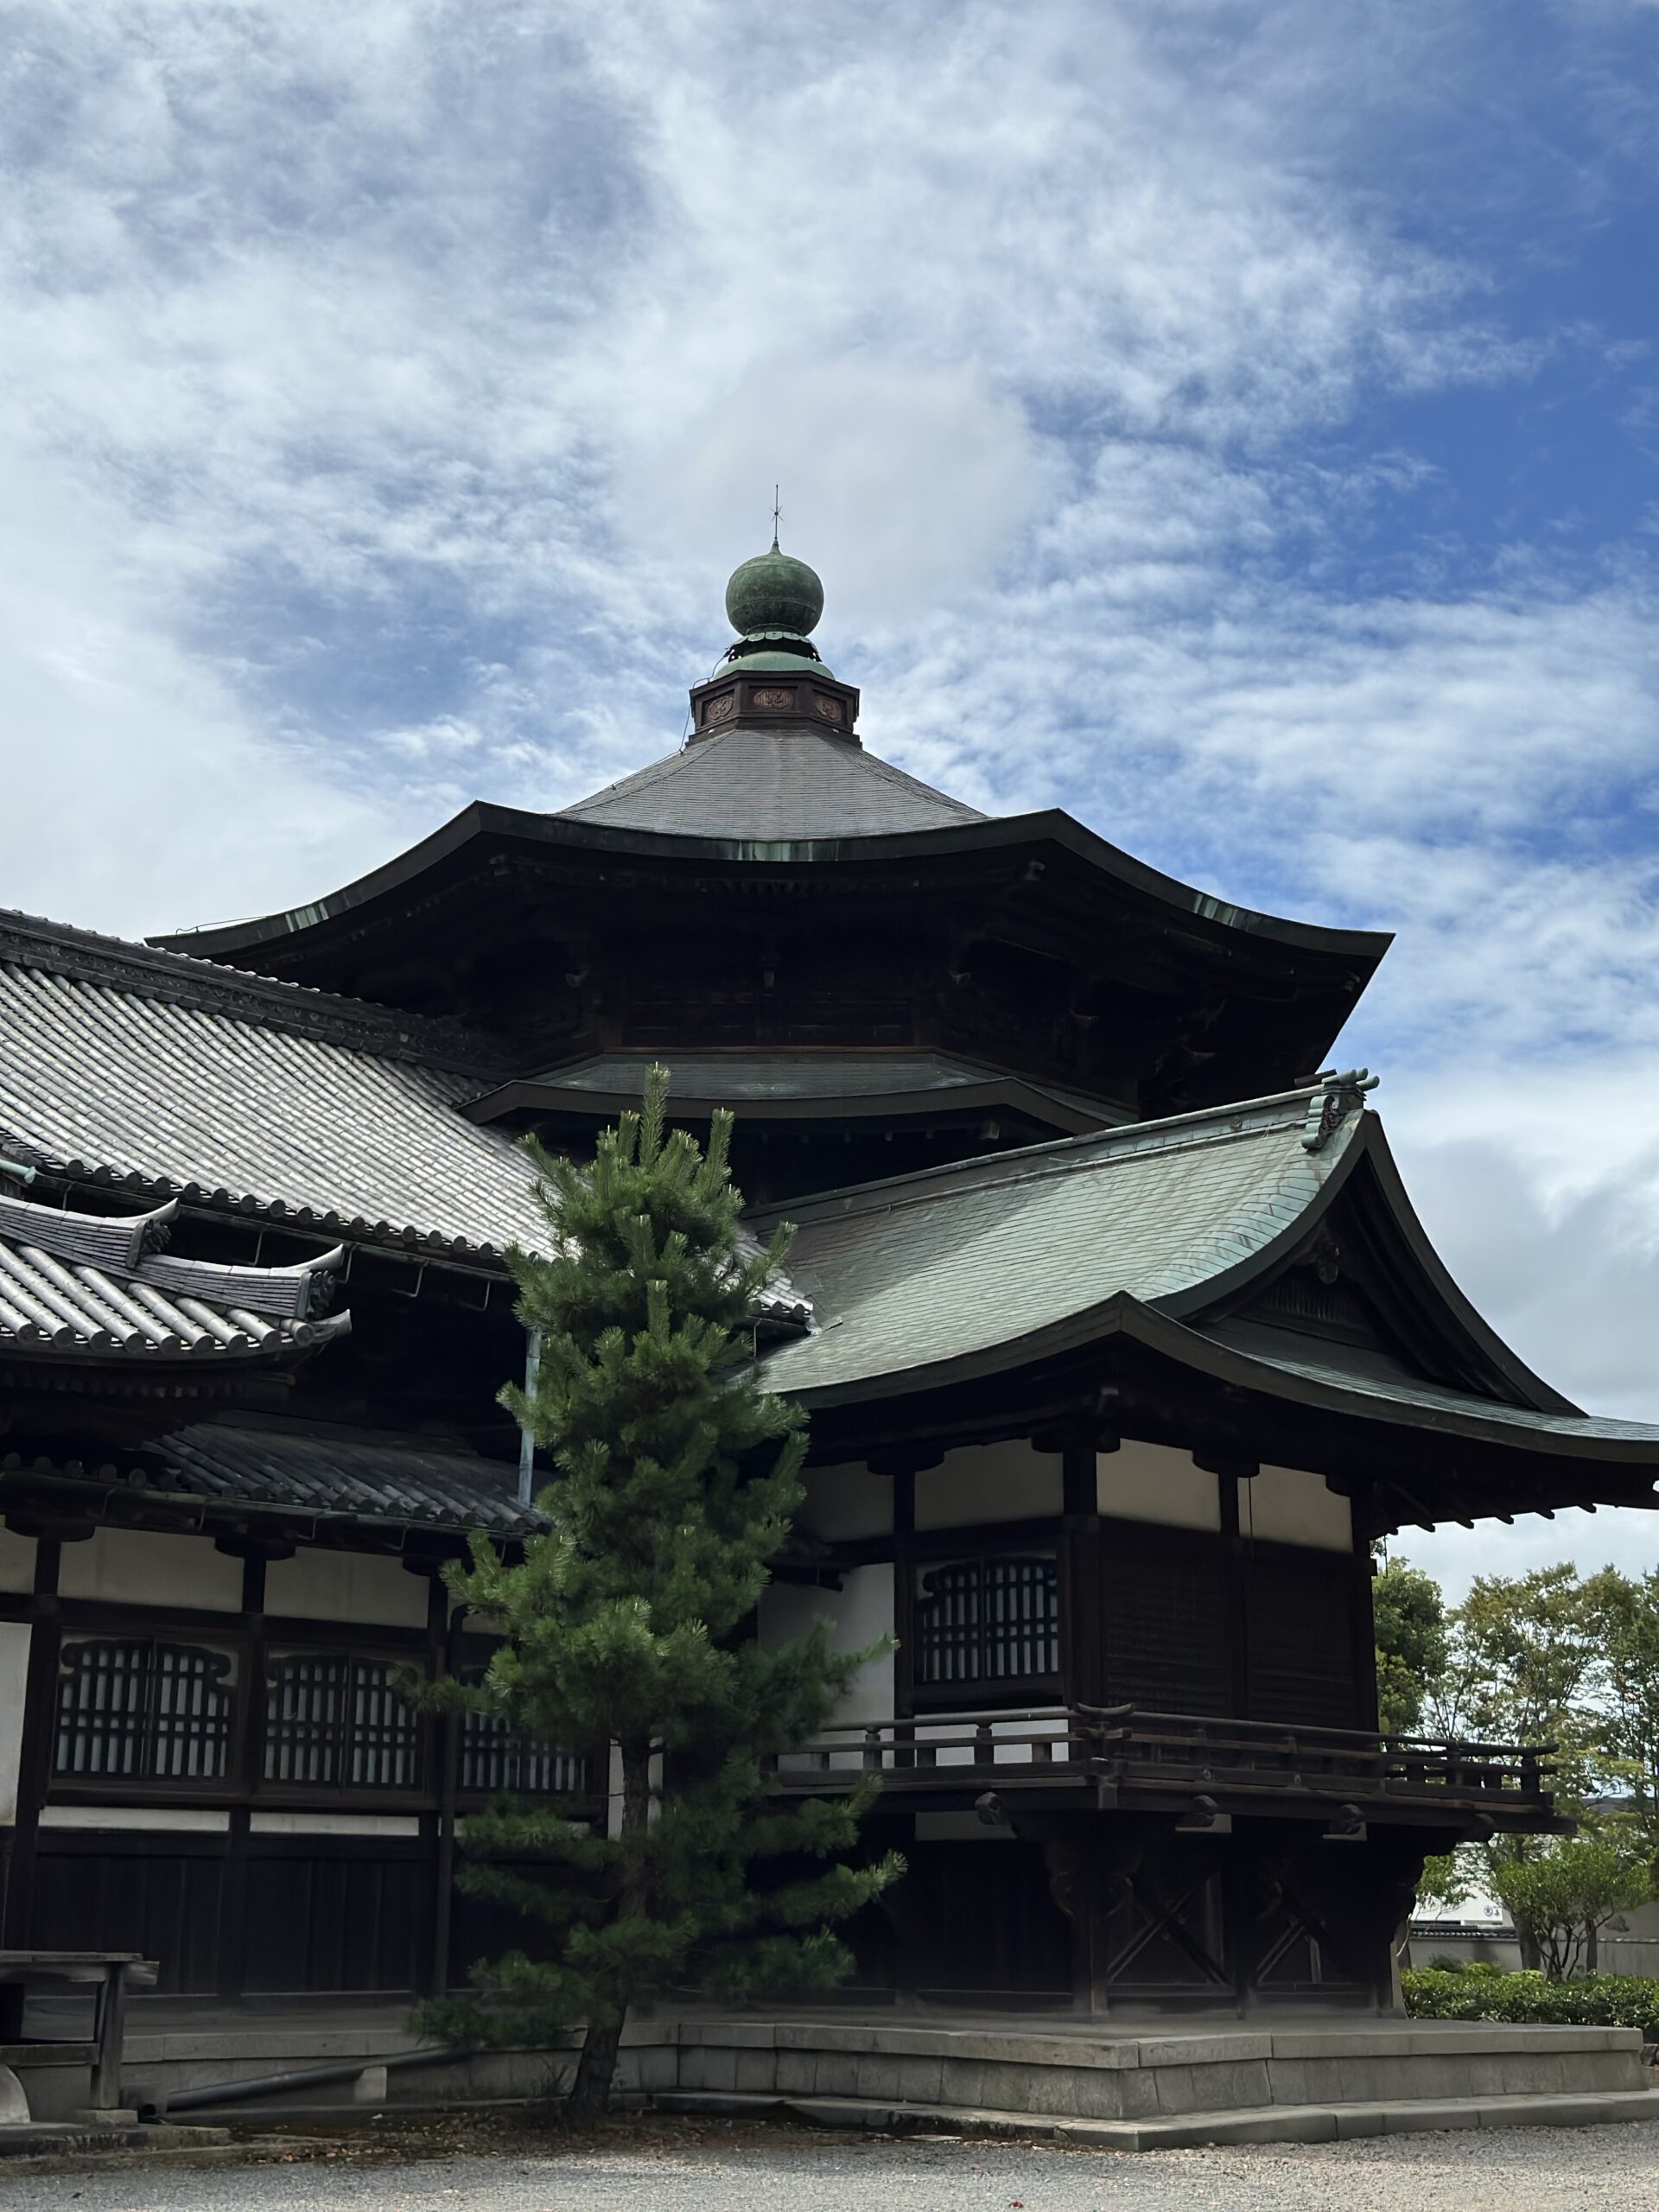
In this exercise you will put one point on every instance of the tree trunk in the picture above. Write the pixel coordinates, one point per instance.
(1592, 1946)
(590, 2092)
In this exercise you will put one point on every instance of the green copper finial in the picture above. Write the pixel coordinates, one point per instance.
(776, 511)
(774, 592)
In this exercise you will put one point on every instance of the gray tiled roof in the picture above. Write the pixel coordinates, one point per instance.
(764, 786)
(113, 1078)
(110, 1078)
(84, 1286)
(936, 1266)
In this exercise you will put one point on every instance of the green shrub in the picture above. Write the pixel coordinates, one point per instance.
(1476, 1992)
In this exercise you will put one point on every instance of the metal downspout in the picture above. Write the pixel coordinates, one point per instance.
(526, 1441)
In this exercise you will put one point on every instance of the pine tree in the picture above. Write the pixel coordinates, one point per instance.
(629, 1625)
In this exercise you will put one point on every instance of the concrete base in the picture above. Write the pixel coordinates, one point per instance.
(55, 2138)
(1326, 2123)
(1316, 2079)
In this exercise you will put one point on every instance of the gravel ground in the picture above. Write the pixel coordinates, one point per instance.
(714, 2169)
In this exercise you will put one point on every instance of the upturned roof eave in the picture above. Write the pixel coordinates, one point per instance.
(1125, 1316)
(1013, 1092)
(484, 818)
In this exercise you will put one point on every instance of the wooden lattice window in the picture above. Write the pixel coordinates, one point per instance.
(136, 1708)
(334, 1721)
(493, 1757)
(991, 1619)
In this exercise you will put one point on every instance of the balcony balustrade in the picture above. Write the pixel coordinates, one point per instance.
(1124, 1754)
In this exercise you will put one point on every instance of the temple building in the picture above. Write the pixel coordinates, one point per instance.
(1120, 1341)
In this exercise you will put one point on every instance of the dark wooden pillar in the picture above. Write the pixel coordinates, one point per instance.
(904, 1591)
(1081, 1580)
(35, 1760)
(443, 1627)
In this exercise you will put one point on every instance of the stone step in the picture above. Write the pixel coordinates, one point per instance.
(1319, 2123)
(70, 2138)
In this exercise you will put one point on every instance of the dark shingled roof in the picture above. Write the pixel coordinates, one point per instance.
(764, 786)
(307, 1468)
(325, 1471)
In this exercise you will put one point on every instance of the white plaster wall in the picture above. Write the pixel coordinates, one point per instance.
(983, 1483)
(196, 1820)
(317, 1586)
(1155, 1482)
(14, 1681)
(859, 1612)
(1286, 1505)
(333, 1824)
(846, 1502)
(143, 1567)
(17, 1561)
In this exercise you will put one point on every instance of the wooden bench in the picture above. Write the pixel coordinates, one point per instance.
(110, 1973)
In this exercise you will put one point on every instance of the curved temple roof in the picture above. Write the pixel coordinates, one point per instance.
(1157, 1229)
(94, 1286)
(114, 1079)
(118, 1081)
(761, 786)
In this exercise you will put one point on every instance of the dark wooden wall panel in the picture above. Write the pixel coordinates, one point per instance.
(980, 1916)
(324, 1920)
(1299, 1638)
(1165, 1638)
(162, 1902)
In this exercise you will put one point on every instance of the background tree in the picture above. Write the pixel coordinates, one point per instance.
(1411, 1644)
(1525, 1663)
(629, 1625)
(1551, 1656)
(1629, 1622)
(1561, 1896)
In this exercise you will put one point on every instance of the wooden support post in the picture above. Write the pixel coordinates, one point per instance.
(904, 1592)
(109, 2034)
(444, 1630)
(1080, 1578)
(34, 1759)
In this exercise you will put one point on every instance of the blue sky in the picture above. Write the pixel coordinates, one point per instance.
(1237, 423)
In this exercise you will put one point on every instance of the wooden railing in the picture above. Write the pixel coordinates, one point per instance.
(1137, 1751)
(1149, 1749)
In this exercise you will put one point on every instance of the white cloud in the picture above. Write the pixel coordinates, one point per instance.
(389, 389)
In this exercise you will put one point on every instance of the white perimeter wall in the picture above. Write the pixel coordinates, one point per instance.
(1286, 1505)
(16, 1562)
(1154, 1482)
(142, 1566)
(14, 1679)
(842, 1503)
(983, 1483)
(1280, 1505)
(346, 1586)
(859, 1612)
